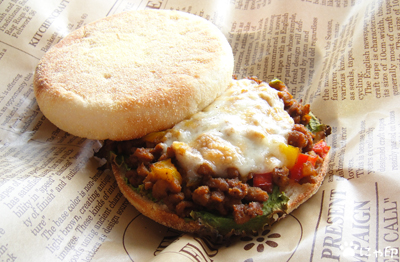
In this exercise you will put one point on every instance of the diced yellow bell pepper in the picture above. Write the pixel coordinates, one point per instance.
(165, 170)
(155, 137)
(291, 154)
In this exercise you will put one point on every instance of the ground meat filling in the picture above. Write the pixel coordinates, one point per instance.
(296, 110)
(301, 137)
(224, 196)
(221, 195)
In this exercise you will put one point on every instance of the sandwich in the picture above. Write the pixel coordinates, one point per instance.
(190, 146)
(244, 162)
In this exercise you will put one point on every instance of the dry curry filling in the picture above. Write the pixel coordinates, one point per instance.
(230, 202)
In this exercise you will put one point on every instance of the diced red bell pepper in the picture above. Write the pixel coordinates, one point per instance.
(321, 148)
(296, 172)
(263, 181)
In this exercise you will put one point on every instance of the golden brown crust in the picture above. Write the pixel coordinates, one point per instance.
(155, 211)
(133, 73)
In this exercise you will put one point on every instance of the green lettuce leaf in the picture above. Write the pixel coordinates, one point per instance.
(142, 191)
(315, 125)
(277, 203)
